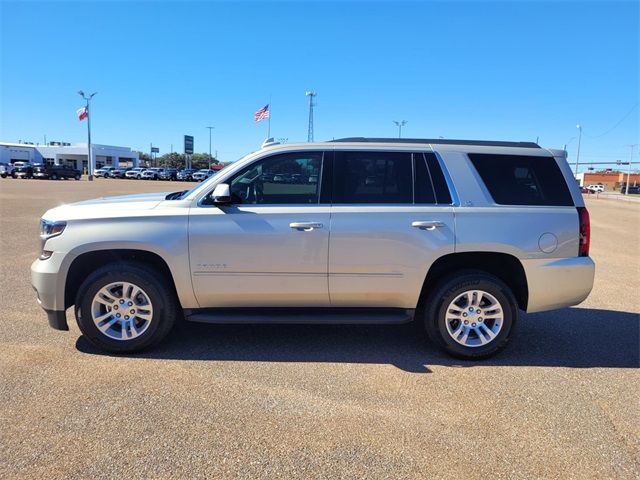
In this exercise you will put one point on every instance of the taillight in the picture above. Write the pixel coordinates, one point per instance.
(585, 232)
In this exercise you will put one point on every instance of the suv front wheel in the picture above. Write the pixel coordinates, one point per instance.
(470, 315)
(125, 307)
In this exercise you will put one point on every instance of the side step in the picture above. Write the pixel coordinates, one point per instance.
(322, 316)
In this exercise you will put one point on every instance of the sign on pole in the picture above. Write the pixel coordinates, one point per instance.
(188, 144)
(155, 150)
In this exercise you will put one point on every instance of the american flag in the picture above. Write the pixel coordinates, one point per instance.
(262, 113)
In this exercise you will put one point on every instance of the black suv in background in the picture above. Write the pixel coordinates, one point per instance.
(186, 174)
(22, 170)
(119, 172)
(168, 174)
(632, 189)
(56, 172)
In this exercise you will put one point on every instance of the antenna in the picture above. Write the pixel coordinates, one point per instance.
(311, 104)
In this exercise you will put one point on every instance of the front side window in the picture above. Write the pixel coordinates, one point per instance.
(289, 178)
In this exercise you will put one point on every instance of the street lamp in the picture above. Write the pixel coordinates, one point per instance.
(579, 127)
(210, 128)
(400, 124)
(89, 153)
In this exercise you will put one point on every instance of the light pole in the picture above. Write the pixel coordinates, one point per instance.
(90, 157)
(400, 124)
(210, 128)
(579, 127)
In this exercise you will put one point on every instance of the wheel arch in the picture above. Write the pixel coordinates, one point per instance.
(504, 266)
(83, 265)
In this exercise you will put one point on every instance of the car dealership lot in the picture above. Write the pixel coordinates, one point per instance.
(319, 401)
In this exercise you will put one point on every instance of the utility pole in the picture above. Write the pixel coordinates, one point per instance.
(626, 190)
(210, 128)
(311, 95)
(579, 127)
(400, 124)
(90, 153)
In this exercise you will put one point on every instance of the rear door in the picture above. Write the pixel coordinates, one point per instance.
(391, 218)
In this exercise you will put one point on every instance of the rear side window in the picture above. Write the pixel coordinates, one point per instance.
(522, 180)
(430, 184)
(373, 177)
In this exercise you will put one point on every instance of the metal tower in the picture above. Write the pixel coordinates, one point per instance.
(311, 104)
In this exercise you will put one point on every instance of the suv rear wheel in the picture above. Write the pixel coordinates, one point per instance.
(125, 307)
(470, 315)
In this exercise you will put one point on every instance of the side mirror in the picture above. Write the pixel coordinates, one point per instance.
(221, 194)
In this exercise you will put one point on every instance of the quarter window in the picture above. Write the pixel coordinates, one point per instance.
(522, 180)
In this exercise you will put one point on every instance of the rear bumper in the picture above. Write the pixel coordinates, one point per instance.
(558, 283)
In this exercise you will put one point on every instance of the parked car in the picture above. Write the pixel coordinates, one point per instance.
(584, 190)
(453, 238)
(151, 173)
(168, 174)
(596, 188)
(186, 174)
(633, 189)
(22, 170)
(119, 172)
(135, 173)
(202, 174)
(56, 172)
(104, 172)
(6, 169)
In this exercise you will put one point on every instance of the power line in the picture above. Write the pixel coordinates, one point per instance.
(616, 125)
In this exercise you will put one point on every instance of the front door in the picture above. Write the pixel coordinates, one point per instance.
(270, 247)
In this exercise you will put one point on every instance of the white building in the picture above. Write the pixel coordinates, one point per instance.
(65, 154)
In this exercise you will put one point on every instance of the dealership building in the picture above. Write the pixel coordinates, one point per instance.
(59, 153)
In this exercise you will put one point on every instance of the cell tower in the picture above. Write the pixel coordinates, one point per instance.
(311, 104)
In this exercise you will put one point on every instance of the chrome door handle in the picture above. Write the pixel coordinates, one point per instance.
(305, 226)
(428, 225)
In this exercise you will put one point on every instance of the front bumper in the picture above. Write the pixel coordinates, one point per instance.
(48, 278)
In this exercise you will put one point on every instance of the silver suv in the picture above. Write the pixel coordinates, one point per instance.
(457, 235)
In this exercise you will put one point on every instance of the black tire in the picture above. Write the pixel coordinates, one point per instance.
(54, 176)
(450, 288)
(77, 177)
(161, 296)
(3, 175)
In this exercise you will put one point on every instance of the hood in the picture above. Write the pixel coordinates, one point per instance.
(106, 207)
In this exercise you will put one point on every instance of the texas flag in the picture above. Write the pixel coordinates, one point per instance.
(82, 113)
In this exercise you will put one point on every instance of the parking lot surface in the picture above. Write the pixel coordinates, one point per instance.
(287, 401)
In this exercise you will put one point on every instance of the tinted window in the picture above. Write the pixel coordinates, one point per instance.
(373, 177)
(439, 183)
(424, 192)
(522, 180)
(292, 178)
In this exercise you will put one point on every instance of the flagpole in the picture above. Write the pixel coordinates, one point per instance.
(269, 124)
(89, 149)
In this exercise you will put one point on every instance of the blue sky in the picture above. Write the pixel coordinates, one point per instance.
(480, 70)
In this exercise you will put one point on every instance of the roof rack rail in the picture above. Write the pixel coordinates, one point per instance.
(439, 141)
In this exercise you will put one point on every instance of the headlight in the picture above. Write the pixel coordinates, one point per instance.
(48, 230)
(51, 229)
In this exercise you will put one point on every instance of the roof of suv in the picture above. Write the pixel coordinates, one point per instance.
(437, 141)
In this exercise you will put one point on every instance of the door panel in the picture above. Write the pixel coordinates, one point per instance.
(246, 256)
(378, 259)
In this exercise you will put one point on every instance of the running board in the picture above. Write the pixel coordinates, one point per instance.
(321, 316)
